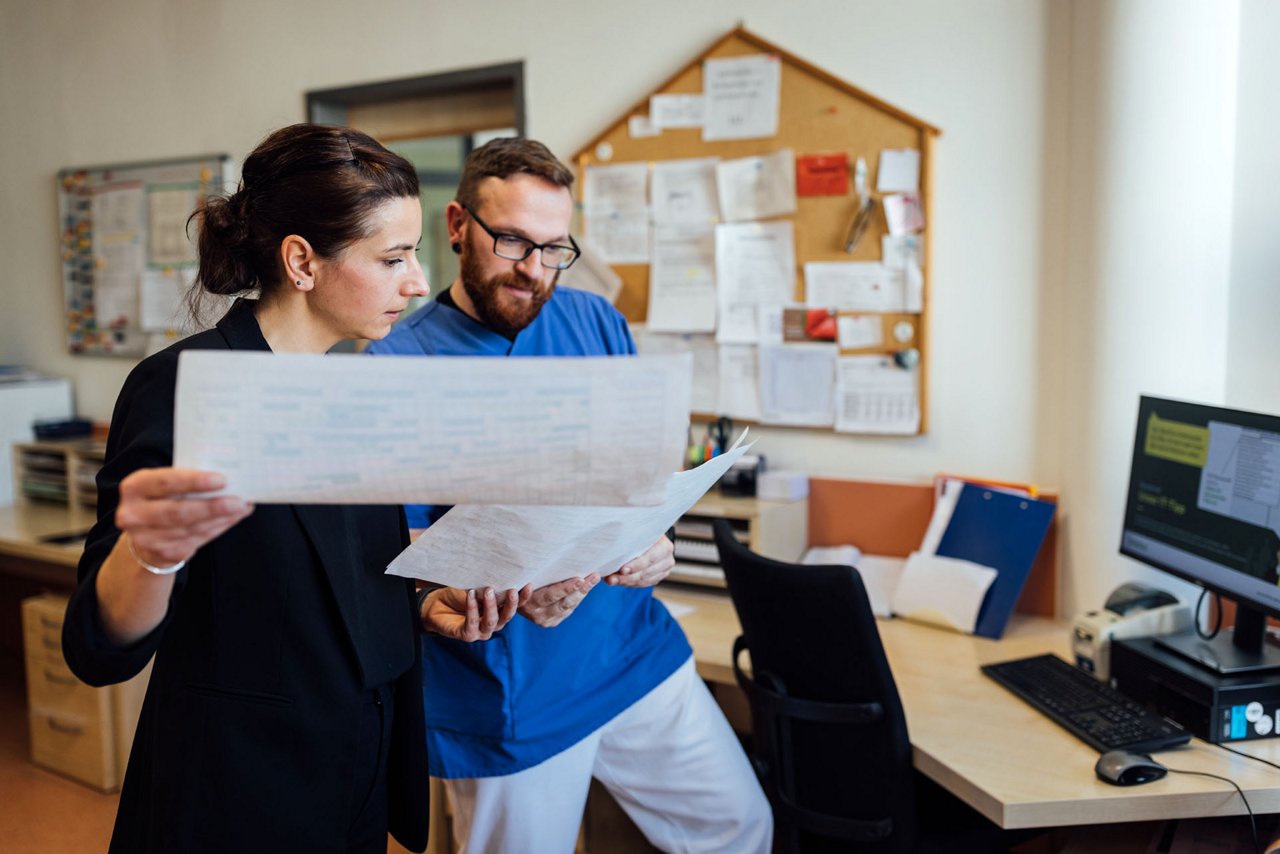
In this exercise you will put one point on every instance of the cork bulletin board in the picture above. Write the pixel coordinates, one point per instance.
(820, 119)
(126, 257)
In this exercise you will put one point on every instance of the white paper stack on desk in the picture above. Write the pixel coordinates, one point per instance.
(939, 590)
(943, 588)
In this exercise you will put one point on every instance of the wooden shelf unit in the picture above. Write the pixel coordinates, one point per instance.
(58, 472)
(775, 529)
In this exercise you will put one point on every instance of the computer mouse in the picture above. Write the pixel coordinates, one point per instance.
(1123, 768)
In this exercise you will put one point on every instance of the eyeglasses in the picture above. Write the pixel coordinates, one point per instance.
(554, 256)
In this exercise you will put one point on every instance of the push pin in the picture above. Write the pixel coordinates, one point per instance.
(907, 358)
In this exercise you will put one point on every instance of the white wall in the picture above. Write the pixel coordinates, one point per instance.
(1253, 342)
(1084, 194)
(134, 79)
(1151, 152)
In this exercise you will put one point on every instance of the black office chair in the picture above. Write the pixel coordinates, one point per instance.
(829, 736)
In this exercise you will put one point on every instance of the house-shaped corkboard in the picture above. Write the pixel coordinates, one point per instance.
(818, 113)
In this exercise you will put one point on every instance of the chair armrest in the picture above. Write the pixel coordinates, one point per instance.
(776, 701)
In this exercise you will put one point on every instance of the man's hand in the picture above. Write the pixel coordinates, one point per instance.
(549, 606)
(648, 569)
(467, 616)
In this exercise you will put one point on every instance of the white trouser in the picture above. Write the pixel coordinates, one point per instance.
(670, 760)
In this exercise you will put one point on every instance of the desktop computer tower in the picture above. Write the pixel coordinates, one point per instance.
(1218, 709)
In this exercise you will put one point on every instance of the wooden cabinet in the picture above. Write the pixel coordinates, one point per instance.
(776, 529)
(76, 729)
(58, 472)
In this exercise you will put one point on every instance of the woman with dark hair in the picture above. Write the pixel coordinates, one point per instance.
(284, 711)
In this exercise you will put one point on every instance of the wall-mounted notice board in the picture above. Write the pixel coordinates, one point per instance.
(774, 220)
(127, 260)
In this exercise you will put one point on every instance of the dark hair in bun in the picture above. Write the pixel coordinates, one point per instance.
(320, 182)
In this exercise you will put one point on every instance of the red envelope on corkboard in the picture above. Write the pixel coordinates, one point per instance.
(822, 174)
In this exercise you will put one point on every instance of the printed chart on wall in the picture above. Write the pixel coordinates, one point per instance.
(773, 221)
(127, 259)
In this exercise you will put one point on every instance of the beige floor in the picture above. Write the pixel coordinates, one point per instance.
(41, 812)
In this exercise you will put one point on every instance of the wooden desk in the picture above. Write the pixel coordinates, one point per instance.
(24, 547)
(998, 754)
(29, 565)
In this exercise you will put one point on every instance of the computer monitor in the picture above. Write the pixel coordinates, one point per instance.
(1204, 505)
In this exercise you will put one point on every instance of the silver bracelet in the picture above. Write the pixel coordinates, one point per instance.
(154, 570)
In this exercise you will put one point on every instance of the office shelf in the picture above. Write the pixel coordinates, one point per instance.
(58, 472)
(776, 529)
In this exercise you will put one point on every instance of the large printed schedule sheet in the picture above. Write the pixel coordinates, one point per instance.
(340, 429)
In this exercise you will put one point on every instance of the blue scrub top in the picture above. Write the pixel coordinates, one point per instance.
(500, 706)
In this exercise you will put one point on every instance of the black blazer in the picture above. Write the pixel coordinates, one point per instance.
(274, 633)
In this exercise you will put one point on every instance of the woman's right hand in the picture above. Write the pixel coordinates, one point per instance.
(162, 521)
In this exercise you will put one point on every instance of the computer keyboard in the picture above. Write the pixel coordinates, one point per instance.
(1095, 713)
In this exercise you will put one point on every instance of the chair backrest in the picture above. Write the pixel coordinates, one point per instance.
(812, 636)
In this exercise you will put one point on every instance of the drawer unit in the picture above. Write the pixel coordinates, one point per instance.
(42, 629)
(76, 729)
(54, 687)
(80, 747)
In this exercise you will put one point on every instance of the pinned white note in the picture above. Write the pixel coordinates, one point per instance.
(859, 331)
(903, 213)
(642, 127)
(757, 187)
(162, 299)
(743, 95)
(676, 111)
(615, 208)
(899, 171)
(855, 286)
(684, 192)
(874, 395)
(739, 395)
(682, 280)
(755, 266)
(797, 384)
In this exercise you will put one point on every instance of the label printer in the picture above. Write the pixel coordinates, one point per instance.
(1132, 610)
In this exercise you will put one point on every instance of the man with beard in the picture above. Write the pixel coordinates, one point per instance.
(584, 685)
